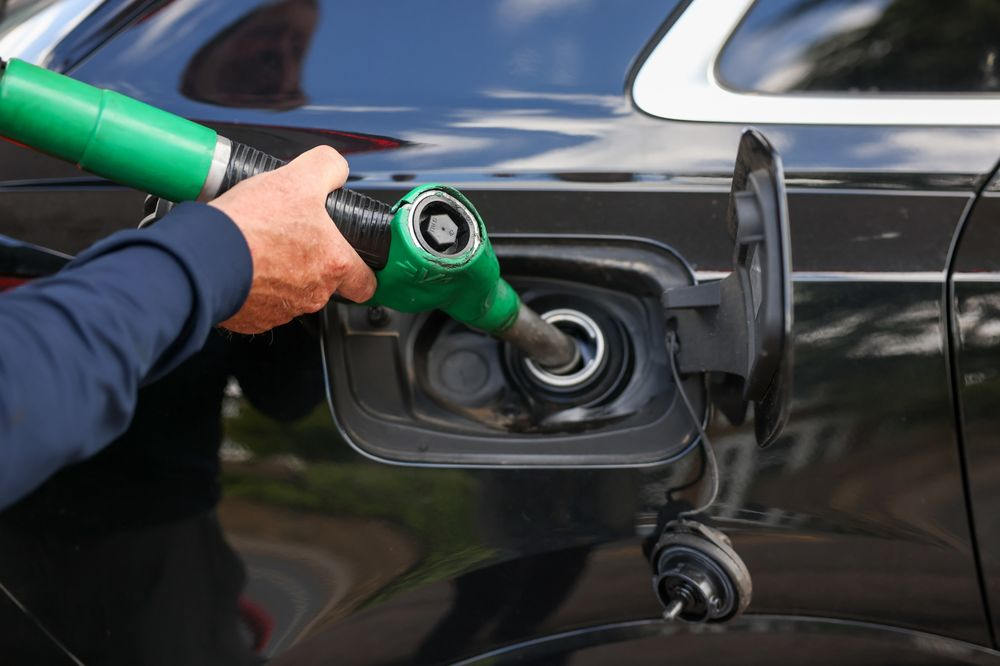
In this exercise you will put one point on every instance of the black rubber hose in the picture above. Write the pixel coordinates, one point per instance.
(363, 221)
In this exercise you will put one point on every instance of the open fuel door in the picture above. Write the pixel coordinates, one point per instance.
(739, 328)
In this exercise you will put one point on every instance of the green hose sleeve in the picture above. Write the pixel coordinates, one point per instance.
(104, 132)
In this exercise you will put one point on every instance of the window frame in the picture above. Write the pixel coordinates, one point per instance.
(678, 81)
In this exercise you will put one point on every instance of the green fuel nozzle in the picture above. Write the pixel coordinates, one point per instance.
(429, 251)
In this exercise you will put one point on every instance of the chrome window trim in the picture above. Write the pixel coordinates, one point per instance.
(678, 82)
(928, 277)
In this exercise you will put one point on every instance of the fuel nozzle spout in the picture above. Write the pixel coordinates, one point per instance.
(542, 342)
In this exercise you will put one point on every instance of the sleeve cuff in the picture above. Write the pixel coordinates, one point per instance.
(217, 254)
(211, 248)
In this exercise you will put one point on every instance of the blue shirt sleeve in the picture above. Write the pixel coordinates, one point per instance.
(76, 347)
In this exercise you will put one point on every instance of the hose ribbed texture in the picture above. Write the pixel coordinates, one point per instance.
(363, 221)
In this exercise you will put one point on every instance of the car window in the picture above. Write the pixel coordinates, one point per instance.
(865, 46)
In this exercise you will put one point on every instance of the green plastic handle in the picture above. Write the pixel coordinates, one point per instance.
(467, 287)
(105, 132)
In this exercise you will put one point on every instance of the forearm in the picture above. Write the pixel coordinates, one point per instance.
(77, 346)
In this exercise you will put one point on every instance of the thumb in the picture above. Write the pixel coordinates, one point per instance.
(322, 167)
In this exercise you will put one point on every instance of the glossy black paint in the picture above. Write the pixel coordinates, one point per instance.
(857, 512)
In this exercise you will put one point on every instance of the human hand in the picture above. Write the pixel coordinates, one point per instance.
(299, 256)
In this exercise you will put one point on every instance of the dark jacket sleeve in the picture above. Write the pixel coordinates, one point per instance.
(76, 347)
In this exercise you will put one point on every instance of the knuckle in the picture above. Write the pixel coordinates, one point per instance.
(311, 292)
(337, 266)
(324, 151)
(336, 162)
(317, 296)
(318, 301)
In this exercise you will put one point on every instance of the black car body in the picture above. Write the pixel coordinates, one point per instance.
(247, 513)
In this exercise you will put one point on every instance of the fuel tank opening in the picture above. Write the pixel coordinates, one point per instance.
(605, 360)
(590, 342)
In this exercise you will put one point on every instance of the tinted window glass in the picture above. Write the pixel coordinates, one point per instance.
(917, 46)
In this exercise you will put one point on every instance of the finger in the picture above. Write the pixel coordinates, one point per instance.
(322, 166)
(358, 283)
